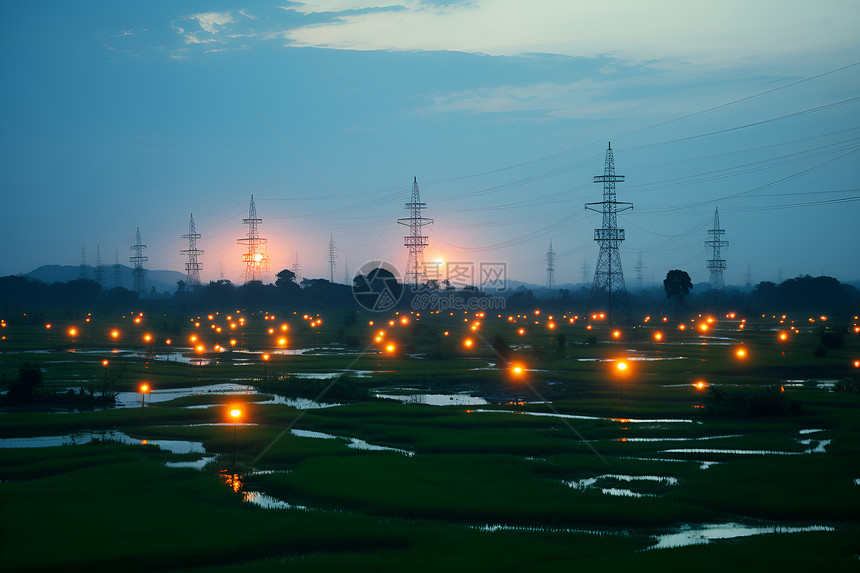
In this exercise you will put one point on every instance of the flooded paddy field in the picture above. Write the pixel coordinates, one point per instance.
(357, 459)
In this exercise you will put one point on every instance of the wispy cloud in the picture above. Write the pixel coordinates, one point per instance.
(212, 21)
(703, 33)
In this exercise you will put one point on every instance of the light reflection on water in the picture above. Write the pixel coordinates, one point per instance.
(593, 483)
(172, 446)
(701, 534)
(434, 399)
(583, 417)
(354, 443)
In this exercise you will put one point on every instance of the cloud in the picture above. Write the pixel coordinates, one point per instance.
(211, 21)
(703, 33)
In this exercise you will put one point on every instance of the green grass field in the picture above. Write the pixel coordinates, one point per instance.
(573, 462)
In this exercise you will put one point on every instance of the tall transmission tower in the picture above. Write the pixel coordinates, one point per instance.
(748, 284)
(716, 264)
(608, 292)
(117, 272)
(640, 266)
(256, 258)
(584, 270)
(415, 242)
(550, 268)
(331, 257)
(100, 271)
(297, 269)
(83, 272)
(193, 266)
(139, 272)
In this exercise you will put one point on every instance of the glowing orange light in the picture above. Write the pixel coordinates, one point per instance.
(551, 325)
(783, 336)
(390, 348)
(857, 364)
(682, 327)
(404, 320)
(73, 332)
(616, 334)
(104, 362)
(265, 356)
(200, 348)
(537, 312)
(665, 319)
(196, 325)
(593, 317)
(521, 331)
(741, 353)
(144, 388)
(622, 366)
(232, 325)
(468, 343)
(147, 337)
(445, 333)
(282, 341)
(168, 341)
(517, 369)
(700, 385)
(601, 315)
(703, 327)
(193, 338)
(588, 327)
(235, 413)
(232, 342)
(284, 327)
(658, 336)
(137, 320)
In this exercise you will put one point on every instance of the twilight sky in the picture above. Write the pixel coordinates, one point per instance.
(116, 115)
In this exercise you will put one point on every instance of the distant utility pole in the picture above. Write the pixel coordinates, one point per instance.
(331, 258)
(117, 272)
(139, 272)
(585, 270)
(608, 291)
(550, 268)
(415, 242)
(193, 266)
(716, 264)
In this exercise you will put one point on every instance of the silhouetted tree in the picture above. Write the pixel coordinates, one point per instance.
(677, 285)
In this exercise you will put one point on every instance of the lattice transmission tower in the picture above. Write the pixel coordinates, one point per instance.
(550, 268)
(297, 269)
(256, 256)
(608, 292)
(640, 277)
(331, 258)
(193, 266)
(415, 242)
(139, 273)
(716, 264)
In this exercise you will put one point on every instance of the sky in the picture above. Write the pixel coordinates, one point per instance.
(125, 115)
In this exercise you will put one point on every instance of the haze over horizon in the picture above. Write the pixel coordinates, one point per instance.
(118, 116)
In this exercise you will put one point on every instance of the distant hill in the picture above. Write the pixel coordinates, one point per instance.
(161, 280)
